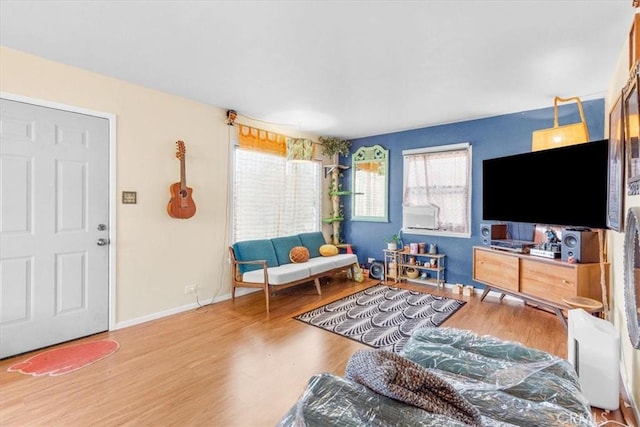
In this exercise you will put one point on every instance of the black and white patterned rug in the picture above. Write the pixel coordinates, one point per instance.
(382, 316)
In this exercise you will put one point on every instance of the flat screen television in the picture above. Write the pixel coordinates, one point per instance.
(564, 186)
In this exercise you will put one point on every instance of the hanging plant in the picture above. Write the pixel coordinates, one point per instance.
(333, 145)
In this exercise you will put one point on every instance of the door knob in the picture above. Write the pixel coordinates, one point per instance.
(102, 242)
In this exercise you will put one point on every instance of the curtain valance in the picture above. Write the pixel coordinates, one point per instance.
(261, 140)
(299, 149)
(255, 139)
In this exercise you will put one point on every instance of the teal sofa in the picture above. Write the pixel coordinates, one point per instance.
(265, 263)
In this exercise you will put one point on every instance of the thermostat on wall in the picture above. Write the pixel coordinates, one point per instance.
(129, 197)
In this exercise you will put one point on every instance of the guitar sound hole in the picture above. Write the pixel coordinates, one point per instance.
(183, 193)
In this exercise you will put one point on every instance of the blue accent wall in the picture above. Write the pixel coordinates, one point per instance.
(490, 137)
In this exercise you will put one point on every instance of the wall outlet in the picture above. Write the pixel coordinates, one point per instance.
(190, 289)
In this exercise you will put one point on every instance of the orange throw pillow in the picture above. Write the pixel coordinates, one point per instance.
(299, 254)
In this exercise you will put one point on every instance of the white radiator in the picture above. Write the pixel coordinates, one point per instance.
(594, 352)
(420, 217)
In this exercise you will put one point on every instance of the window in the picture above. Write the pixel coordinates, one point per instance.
(274, 197)
(437, 179)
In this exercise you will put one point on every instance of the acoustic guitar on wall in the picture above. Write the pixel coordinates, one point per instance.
(181, 204)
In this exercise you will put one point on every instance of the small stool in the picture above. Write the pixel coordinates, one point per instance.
(587, 304)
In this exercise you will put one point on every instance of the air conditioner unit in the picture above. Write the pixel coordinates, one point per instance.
(420, 217)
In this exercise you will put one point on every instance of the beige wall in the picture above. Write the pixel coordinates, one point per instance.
(630, 357)
(156, 256)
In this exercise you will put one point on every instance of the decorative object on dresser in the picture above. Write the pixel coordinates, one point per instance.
(181, 204)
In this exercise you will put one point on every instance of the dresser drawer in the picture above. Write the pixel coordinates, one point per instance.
(548, 281)
(495, 268)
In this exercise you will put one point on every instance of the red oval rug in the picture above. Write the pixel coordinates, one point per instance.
(63, 360)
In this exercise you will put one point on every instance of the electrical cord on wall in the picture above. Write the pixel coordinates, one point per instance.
(224, 259)
(201, 308)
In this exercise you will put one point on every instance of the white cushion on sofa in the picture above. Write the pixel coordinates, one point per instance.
(344, 260)
(320, 264)
(278, 275)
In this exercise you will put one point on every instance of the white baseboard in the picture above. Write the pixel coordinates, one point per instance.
(245, 291)
(479, 291)
(181, 309)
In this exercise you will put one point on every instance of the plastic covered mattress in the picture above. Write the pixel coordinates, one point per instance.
(508, 383)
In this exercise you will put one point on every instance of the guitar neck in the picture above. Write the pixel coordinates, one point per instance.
(183, 174)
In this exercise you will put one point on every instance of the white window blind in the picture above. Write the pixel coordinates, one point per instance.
(441, 177)
(273, 197)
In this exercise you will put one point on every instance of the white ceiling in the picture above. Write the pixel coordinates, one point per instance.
(338, 68)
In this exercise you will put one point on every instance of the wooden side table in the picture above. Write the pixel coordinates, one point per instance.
(587, 304)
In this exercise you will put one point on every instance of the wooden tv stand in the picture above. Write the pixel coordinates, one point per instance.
(538, 280)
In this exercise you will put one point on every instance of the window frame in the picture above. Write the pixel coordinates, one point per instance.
(439, 149)
(232, 203)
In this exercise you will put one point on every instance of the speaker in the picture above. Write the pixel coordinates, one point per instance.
(581, 245)
(376, 270)
(490, 232)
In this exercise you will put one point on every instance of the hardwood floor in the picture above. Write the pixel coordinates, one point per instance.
(229, 364)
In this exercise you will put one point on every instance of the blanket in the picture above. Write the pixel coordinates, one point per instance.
(399, 378)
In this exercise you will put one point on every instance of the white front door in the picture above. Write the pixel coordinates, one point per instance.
(54, 216)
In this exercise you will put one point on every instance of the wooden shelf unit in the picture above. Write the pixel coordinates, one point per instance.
(535, 279)
(401, 260)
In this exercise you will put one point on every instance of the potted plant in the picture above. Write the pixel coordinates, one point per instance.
(392, 242)
(333, 145)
